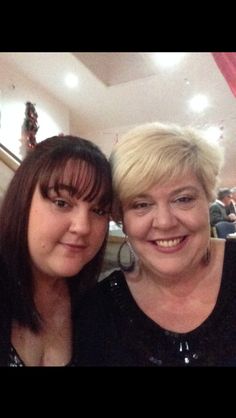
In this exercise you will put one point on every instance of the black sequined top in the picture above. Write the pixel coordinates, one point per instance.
(114, 331)
(14, 360)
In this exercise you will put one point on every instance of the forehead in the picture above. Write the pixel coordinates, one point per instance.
(186, 182)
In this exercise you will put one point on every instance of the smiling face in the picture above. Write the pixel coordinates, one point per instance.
(168, 226)
(64, 233)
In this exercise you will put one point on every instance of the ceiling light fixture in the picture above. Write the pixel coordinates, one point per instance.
(167, 59)
(213, 133)
(71, 80)
(199, 102)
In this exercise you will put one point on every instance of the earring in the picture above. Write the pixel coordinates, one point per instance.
(207, 256)
(130, 265)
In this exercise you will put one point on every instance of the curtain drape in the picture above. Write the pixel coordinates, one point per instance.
(226, 62)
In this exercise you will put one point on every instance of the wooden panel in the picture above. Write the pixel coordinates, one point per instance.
(8, 158)
(5, 177)
(8, 165)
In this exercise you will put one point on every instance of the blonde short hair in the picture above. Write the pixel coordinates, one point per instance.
(157, 153)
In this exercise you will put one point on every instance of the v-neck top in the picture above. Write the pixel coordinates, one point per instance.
(114, 331)
(14, 359)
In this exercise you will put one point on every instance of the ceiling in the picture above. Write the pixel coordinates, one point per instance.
(118, 90)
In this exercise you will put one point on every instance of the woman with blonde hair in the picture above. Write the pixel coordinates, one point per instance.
(173, 304)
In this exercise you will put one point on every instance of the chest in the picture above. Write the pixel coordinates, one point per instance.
(179, 312)
(179, 317)
(52, 346)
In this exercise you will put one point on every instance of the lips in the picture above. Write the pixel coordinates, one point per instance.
(73, 246)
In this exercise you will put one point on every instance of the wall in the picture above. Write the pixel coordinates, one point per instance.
(107, 138)
(15, 90)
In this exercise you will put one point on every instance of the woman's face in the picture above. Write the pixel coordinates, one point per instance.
(168, 226)
(64, 233)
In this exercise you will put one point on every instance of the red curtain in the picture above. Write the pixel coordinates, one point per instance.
(226, 62)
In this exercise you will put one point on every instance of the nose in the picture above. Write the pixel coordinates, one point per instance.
(163, 218)
(80, 222)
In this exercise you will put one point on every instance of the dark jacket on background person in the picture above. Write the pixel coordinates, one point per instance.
(218, 213)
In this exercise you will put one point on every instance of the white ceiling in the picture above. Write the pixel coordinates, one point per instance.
(125, 89)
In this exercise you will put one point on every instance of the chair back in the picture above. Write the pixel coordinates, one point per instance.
(224, 228)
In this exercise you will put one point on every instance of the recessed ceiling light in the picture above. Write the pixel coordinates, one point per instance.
(167, 59)
(199, 102)
(213, 133)
(71, 80)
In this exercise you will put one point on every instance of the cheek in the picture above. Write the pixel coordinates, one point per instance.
(135, 226)
(99, 232)
(198, 220)
(37, 241)
(36, 219)
(41, 234)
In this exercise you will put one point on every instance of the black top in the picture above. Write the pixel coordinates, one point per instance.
(114, 331)
(14, 360)
(8, 354)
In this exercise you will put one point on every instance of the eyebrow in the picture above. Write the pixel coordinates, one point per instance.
(72, 191)
(175, 191)
(185, 188)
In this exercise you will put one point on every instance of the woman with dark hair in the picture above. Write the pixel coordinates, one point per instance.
(54, 225)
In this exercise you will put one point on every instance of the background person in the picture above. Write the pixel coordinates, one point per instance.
(219, 209)
(231, 208)
(176, 307)
(54, 223)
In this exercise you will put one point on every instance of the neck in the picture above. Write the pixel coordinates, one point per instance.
(50, 294)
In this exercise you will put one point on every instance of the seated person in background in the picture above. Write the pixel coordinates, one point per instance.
(174, 303)
(218, 209)
(54, 224)
(231, 208)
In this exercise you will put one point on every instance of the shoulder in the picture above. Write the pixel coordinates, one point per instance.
(230, 251)
(2, 267)
(4, 282)
(229, 262)
(111, 281)
(216, 206)
(94, 324)
(5, 315)
(97, 299)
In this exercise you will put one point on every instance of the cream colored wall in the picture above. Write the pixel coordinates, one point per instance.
(107, 138)
(15, 90)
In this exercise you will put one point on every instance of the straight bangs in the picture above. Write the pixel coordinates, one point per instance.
(83, 179)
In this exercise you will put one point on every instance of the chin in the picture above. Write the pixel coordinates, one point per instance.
(70, 271)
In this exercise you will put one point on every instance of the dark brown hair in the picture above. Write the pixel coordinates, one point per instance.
(90, 177)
